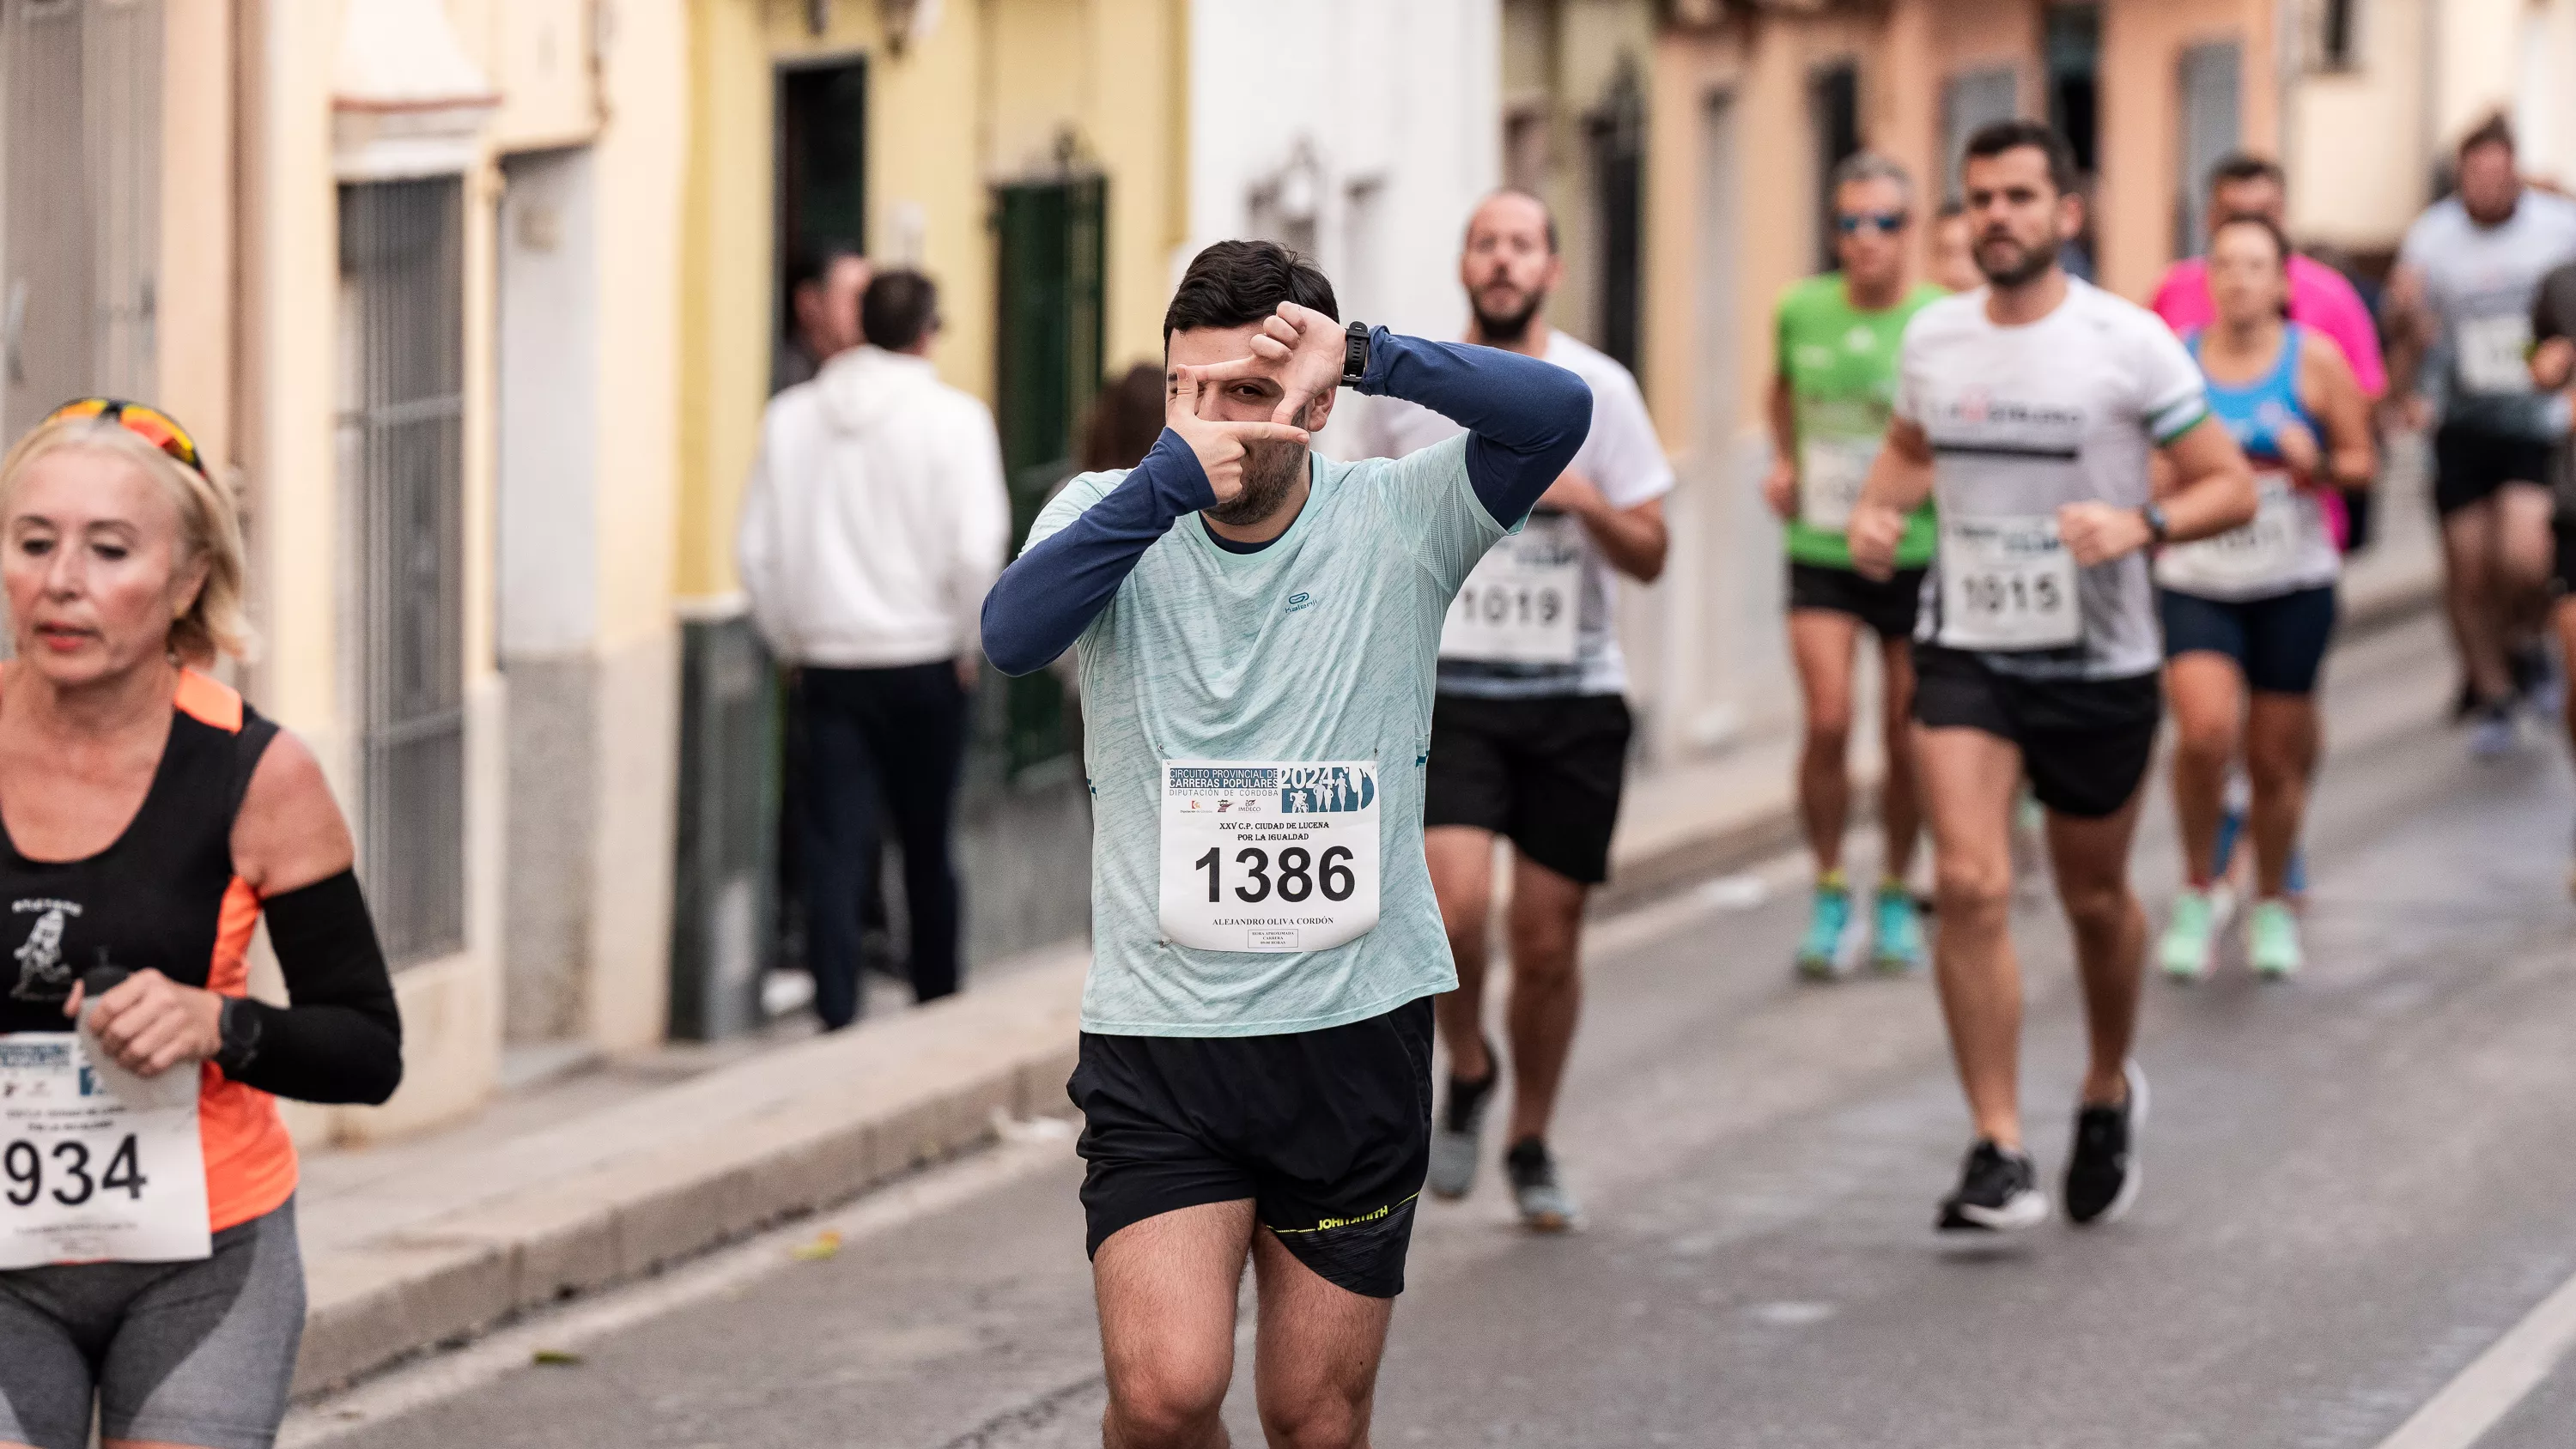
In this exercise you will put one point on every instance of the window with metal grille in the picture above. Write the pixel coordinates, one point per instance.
(82, 198)
(401, 433)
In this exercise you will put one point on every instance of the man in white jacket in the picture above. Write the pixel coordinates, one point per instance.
(875, 520)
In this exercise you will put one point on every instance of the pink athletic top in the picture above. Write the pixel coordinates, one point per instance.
(2320, 299)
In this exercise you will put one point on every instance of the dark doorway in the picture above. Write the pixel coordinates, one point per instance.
(1833, 115)
(2073, 50)
(1617, 134)
(822, 164)
(1047, 367)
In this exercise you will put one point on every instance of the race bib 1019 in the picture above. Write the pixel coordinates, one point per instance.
(2007, 584)
(1519, 605)
(96, 1163)
(1268, 856)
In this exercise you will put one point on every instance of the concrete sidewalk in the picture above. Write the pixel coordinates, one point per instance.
(610, 1176)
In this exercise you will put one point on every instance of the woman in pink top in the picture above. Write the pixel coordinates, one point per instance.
(2320, 299)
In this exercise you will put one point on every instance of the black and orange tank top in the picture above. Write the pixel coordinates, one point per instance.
(163, 895)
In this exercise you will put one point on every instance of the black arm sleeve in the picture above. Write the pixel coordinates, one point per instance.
(341, 1038)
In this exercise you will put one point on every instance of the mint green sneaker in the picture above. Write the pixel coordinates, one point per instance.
(2272, 941)
(1899, 932)
(1820, 955)
(2189, 934)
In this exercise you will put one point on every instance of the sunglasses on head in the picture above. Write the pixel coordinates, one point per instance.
(1885, 222)
(148, 423)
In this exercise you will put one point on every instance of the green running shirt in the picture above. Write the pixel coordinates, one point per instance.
(1840, 365)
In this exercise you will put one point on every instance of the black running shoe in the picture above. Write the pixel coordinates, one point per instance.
(1998, 1193)
(2102, 1173)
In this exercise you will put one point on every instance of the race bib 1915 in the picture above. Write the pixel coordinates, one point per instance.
(2007, 584)
(1268, 856)
(96, 1163)
(1831, 474)
(1519, 605)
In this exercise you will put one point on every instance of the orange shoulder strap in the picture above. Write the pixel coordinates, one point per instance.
(210, 701)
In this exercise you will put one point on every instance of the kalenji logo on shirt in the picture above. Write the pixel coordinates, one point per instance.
(1298, 601)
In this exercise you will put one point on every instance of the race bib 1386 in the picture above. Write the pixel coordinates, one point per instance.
(1261, 855)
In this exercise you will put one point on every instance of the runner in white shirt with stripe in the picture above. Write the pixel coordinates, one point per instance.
(2031, 410)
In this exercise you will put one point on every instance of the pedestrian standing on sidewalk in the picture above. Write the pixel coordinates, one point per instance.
(1834, 378)
(1529, 732)
(1259, 627)
(149, 818)
(875, 520)
(824, 285)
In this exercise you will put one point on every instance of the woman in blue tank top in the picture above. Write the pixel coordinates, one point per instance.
(2250, 611)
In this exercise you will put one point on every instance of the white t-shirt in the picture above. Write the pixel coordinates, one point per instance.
(2481, 281)
(1621, 455)
(2025, 419)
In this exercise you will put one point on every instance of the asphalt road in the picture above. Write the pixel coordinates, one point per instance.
(2355, 1185)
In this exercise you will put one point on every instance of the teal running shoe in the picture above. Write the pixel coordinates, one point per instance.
(1820, 956)
(2189, 935)
(1899, 933)
(2272, 941)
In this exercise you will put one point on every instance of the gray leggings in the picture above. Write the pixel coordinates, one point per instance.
(186, 1353)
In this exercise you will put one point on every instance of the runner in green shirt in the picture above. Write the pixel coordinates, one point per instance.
(1835, 378)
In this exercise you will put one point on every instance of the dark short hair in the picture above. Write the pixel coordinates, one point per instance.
(2238, 167)
(1236, 283)
(2495, 130)
(1951, 210)
(1546, 212)
(1994, 140)
(899, 307)
(808, 264)
(1124, 420)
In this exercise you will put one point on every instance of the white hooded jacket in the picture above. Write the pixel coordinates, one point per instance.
(876, 516)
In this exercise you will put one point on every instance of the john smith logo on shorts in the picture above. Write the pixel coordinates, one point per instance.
(1325, 789)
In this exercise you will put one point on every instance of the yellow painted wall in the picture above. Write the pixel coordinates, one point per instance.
(194, 326)
(984, 99)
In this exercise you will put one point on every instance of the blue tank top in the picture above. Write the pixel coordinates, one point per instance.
(2257, 411)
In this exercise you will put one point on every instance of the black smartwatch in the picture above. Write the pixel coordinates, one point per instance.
(1355, 353)
(239, 1027)
(2158, 530)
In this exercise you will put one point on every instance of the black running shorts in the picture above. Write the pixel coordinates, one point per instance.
(2470, 465)
(1887, 608)
(1544, 773)
(2085, 743)
(2278, 643)
(1327, 1132)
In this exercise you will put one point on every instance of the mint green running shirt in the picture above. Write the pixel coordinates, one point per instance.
(1321, 647)
(1840, 364)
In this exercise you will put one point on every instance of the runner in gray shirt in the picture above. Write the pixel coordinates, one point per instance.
(2462, 293)
(2031, 409)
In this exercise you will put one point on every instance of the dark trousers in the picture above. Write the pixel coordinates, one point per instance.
(880, 741)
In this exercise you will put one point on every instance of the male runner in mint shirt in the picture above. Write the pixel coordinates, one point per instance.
(1259, 628)
(1836, 377)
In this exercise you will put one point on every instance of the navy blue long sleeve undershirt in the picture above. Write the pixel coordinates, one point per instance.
(1525, 419)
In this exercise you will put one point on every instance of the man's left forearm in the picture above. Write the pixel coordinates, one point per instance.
(1525, 418)
(1634, 540)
